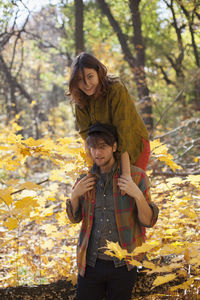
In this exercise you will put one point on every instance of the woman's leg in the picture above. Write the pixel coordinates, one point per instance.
(143, 159)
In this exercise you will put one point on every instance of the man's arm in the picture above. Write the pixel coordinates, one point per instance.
(83, 186)
(145, 213)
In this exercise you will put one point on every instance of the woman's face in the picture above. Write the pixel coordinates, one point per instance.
(89, 86)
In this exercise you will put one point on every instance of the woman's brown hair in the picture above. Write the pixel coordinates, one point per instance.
(86, 60)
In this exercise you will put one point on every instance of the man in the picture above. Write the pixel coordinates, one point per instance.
(108, 214)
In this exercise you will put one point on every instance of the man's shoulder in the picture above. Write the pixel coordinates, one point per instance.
(140, 177)
(137, 171)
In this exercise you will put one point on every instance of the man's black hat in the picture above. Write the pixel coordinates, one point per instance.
(105, 128)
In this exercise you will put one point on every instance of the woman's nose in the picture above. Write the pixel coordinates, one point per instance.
(86, 82)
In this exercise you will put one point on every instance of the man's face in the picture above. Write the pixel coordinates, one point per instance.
(102, 155)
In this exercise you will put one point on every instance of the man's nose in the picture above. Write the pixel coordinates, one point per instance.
(97, 151)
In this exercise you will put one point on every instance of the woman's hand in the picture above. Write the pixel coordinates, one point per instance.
(127, 186)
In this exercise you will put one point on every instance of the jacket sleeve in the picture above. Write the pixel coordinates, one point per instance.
(83, 120)
(74, 218)
(144, 186)
(77, 217)
(125, 118)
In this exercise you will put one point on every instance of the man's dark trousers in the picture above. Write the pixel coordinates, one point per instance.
(106, 280)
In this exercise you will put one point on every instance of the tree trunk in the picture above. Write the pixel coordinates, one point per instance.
(136, 62)
(79, 35)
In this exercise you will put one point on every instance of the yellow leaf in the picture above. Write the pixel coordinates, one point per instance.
(49, 228)
(57, 175)
(12, 182)
(32, 143)
(48, 211)
(72, 278)
(6, 197)
(171, 231)
(33, 103)
(48, 244)
(30, 186)
(195, 261)
(163, 279)
(26, 202)
(187, 284)
(149, 265)
(155, 144)
(163, 269)
(194, 179)
(190, 213)
(38, 250)
(68, 249)
(11, 223)
(118, 251)
(134, 262)
(142, 249)
(182, 272)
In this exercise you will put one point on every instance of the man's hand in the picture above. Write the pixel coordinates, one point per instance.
(84, 185)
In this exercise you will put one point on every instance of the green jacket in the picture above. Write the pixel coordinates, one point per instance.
(118, 109)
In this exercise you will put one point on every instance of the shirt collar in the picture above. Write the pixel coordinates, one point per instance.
(96, 170)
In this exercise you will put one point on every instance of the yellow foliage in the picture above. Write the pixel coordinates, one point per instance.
(142, 249)
(49, 244)
(49, 228)
(149, 265)
(30, 186)
(160, 152)
(185, 285)
(11, 223)
(163, 279)
(117, 250)
(72, 278)
(176, 231)
(6, 197)
(194, 179)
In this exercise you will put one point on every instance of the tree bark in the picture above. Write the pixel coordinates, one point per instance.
(136, 62)
(79, 20)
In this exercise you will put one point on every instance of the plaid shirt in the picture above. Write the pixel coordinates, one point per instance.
(131, 231)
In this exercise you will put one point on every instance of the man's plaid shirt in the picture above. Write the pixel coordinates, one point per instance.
(131, 231)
